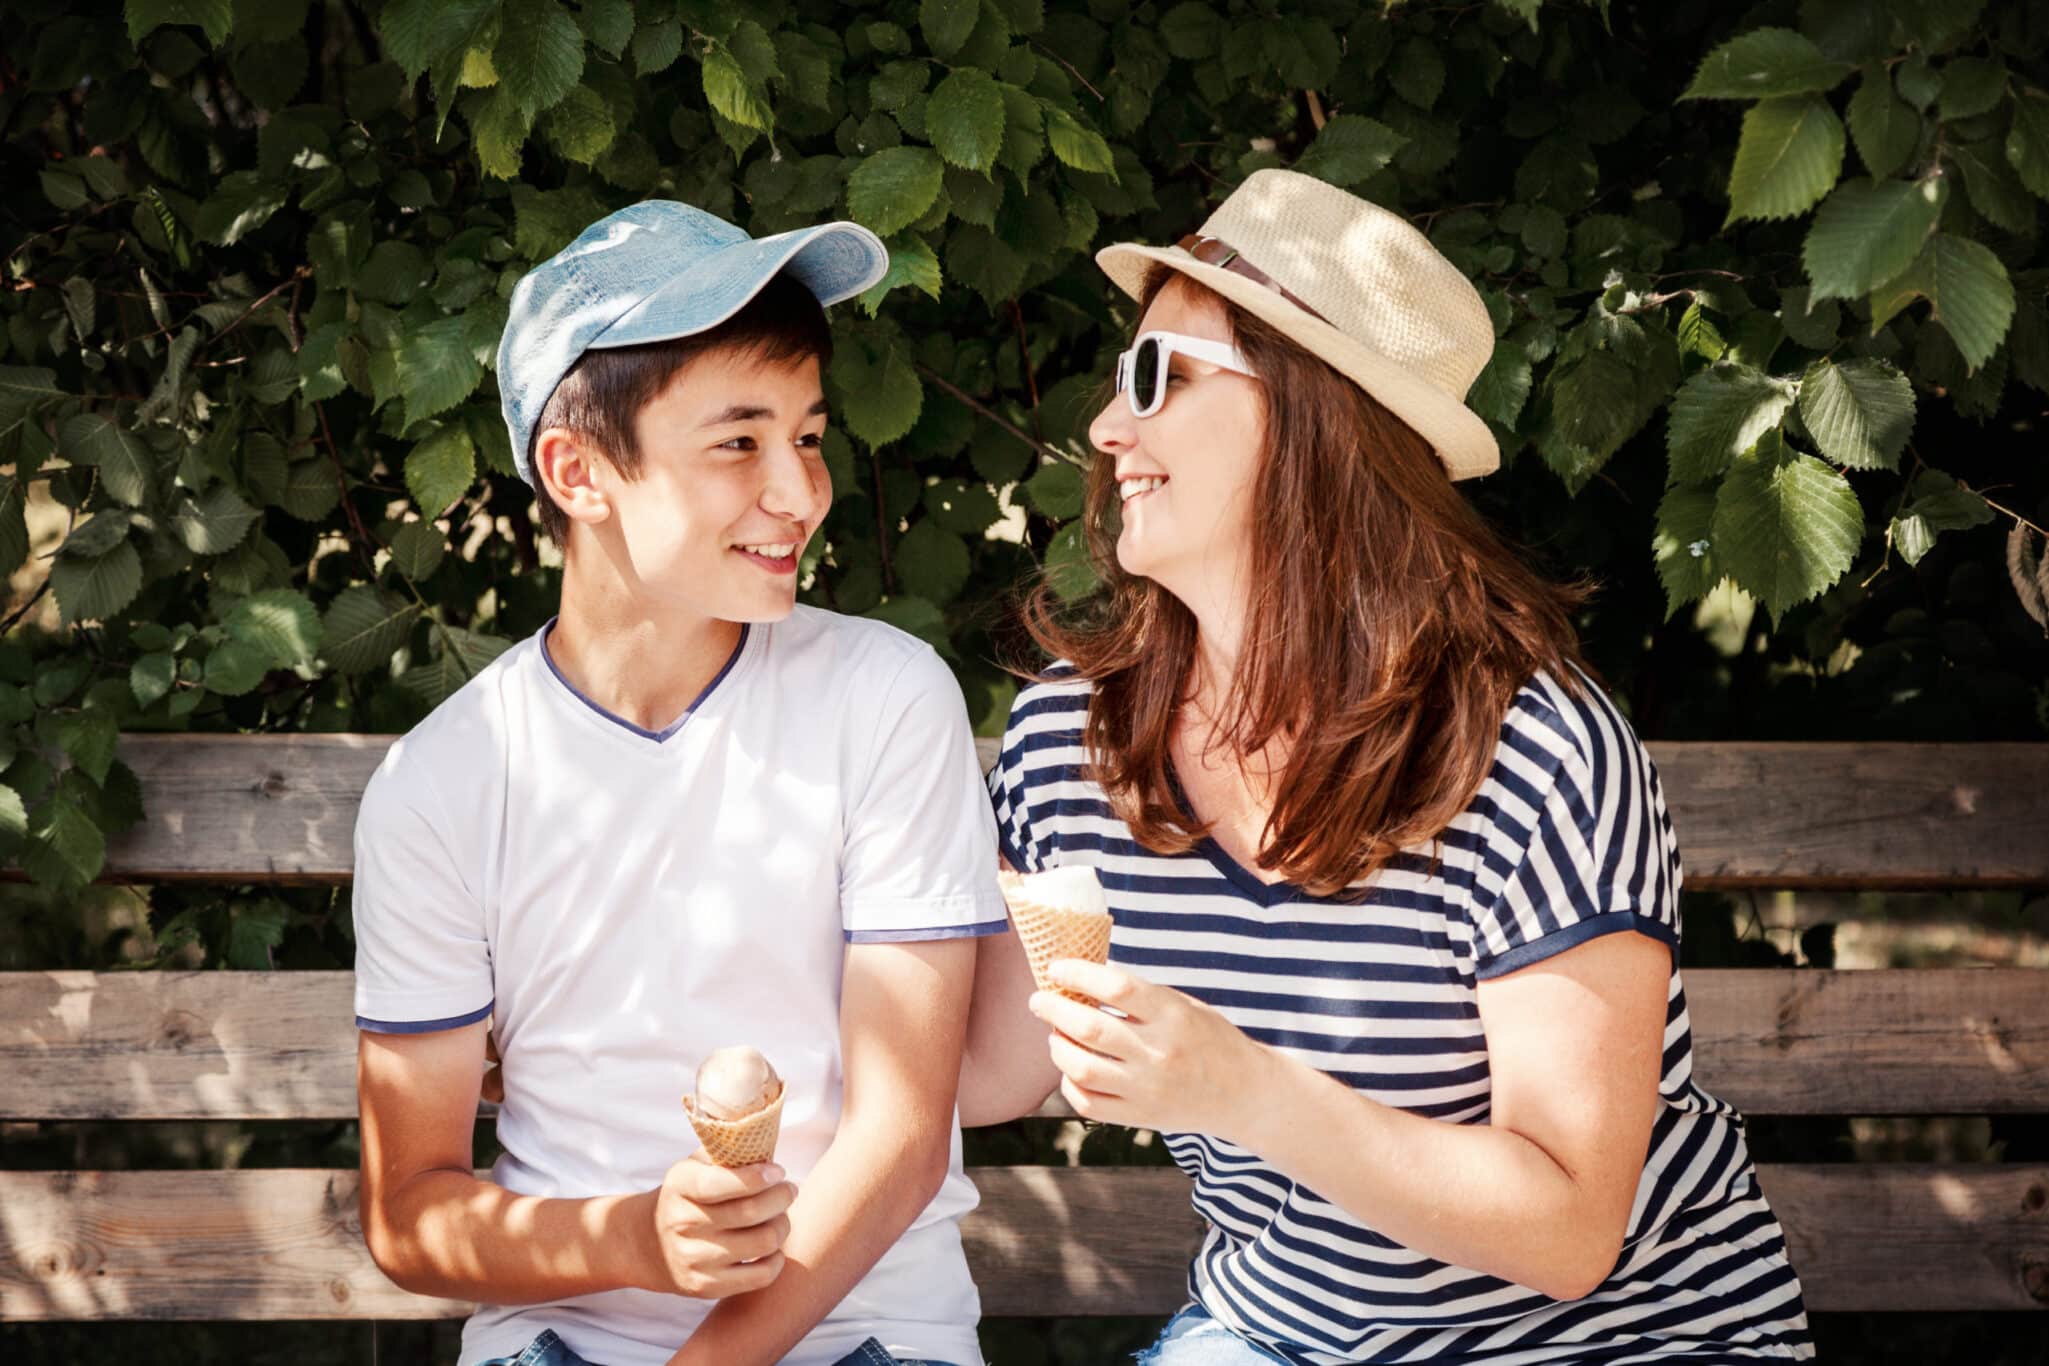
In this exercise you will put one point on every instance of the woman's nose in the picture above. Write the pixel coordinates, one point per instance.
(1113, 429)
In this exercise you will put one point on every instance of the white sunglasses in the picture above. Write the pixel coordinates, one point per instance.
(1142, 371)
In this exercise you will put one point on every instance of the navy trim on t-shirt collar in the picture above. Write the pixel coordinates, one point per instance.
(658, 736)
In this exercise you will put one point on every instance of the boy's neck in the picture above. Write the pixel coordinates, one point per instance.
(645, 663)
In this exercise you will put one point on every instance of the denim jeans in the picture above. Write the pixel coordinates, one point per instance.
(1193, 1338)
(549, 1350)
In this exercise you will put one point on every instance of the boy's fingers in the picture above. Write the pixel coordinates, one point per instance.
(752, 1244)
(738, 1280)
(707, 1183)
(750, 1210)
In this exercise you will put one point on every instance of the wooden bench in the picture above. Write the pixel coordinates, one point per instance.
(287, 1244)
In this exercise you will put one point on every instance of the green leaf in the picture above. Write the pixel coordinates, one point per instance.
(215, 522)
(728, 90)
(946, 24)
(1790, 153)
(1967, 287)
(1077, 146)
(1698, 336)
(1192, 31)
(545, 221)
(1785, 528)
(500, 128)
(898, 83)
(965, 119)
(436, 368)
(254, 929)
(965, 508)
(311, 490)
(66, 848)
(126, 466)
(1683, 546)
(13, 821)
(1763, 64)
(241, 203)
(152, 677)
(1057, 490)
(911, 262)
(234, 667)
(1812, 323)
(2027, 142)
(1868, 232)
(1417, 72)
(539, 55)
(1938, 504)
(932, 562)
(89, 738)
(1971, 86)
(458, 656)
(1993, 188)
(96, 535)
(362, 628)
(893, 188)
(656, 45)
(1350, 148)
(609, 24)
(281, 623)
(215, 17)
(880, 393)
(1860, 413)
(1719, 414)
(441, 469)
(1502, 388)
(1068, 567)
(94, 590)
(416, 549)
(580, 127)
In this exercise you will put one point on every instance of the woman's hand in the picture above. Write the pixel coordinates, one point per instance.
(1171, 1063)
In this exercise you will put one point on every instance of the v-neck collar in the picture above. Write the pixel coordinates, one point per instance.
(655, 736)
(1263, 893)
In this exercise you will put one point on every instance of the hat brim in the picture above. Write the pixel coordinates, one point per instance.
(835, 261)
(1462, 440)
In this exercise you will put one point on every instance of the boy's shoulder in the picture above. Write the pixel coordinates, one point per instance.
(852, 651)
(463, 735)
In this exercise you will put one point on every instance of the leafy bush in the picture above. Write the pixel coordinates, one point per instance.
(254, 294)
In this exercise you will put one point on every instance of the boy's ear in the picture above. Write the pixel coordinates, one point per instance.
(572, 471)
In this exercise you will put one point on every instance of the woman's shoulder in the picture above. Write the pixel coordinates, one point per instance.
(1059, 689)
(1565, 719)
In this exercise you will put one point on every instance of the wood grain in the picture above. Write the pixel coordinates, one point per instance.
(281, 809)
(282, 1045)
(286, 1244)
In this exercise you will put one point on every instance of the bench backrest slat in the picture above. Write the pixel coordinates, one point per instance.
(281, 808)
(282, 1045)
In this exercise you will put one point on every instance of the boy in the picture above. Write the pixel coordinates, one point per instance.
(685, 814)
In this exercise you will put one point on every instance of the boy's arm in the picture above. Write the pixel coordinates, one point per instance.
(435, 1229)
(903, 1007)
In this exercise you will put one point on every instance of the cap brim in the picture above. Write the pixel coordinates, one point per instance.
(1462, 440)
(835, 261)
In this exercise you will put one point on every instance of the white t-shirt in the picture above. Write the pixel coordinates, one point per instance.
(623, 902)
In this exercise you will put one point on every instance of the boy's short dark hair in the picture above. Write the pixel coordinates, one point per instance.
(602, 394)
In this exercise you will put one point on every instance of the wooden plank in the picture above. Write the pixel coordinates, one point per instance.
(286, 1244)
(281, 809)
(282, 1045)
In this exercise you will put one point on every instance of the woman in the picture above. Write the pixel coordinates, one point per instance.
(1395, 893)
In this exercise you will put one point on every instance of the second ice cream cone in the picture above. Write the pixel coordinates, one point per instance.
(738, 1142)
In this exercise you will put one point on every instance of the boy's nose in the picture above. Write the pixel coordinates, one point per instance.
(791, 490)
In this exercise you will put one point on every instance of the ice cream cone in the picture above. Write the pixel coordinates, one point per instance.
(1050, 931)
(738, 1142)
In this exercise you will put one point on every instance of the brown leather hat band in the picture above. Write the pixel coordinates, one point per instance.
(1214, 251)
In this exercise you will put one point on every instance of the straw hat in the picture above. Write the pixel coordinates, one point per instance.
(1354, 285)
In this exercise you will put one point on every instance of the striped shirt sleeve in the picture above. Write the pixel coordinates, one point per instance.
(1010, 779)
(1591, 846)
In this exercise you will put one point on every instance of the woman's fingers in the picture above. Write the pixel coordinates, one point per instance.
(1101, 982)
(1086, 1025)
(1091, 1071)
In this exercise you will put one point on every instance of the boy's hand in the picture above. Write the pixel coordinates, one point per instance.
(719, 1231)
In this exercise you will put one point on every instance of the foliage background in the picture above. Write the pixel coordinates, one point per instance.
(1767, 281)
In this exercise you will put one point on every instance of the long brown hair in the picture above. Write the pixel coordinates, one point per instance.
(1388, 627)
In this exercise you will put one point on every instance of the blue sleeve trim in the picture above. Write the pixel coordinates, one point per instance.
(975, 931)
(423, 1026)
(1572, 936)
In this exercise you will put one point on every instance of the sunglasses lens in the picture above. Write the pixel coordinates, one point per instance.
(1145, 375)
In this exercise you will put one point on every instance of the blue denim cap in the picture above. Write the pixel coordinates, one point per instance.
(652, 272)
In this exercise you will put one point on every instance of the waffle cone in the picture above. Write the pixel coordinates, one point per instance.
(1050, 932)
(738, 1142)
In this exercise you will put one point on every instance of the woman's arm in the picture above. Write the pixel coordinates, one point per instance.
(1005, 1072)
(902, 1011)
(1539, 1196)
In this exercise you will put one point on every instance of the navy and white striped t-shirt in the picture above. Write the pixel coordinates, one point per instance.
(1567, 839)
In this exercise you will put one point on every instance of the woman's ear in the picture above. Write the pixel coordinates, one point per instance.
(574, 473)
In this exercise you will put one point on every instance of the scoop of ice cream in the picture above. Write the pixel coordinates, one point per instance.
(732, 1083)
(1071, 888)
